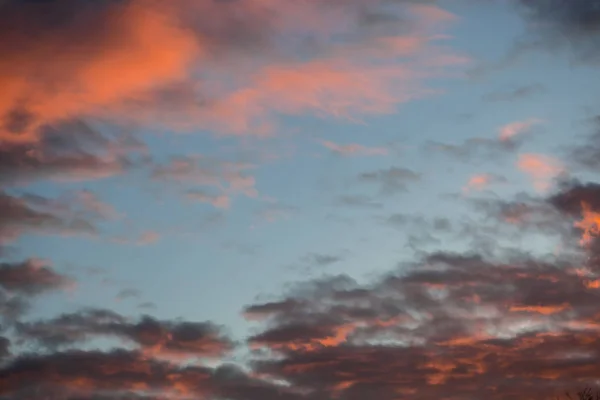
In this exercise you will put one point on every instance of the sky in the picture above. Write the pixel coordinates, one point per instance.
(304, 200)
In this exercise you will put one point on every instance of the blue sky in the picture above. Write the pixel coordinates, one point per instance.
(204, 161)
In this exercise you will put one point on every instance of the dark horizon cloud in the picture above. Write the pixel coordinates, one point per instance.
(461, 324)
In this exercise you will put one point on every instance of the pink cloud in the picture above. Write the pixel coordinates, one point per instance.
(540, 168)
(510, 131)
(481, 181)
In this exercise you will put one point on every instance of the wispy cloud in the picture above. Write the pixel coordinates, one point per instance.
(510, 131)
(541, 168)
(354, 149)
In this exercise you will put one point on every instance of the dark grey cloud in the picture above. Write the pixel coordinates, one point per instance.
(572, 196)
(120, 375)
(69, 151)
(197, 339)
(31, 277)
(4, 348)
(74, 214)
(574, 25)
(21, 281)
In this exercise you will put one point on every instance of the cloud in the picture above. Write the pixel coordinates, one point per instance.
(138, 46)
(551, 26)
(509, 131)
(391, 180)
(451, 324)
(217, 201)
(481, 181)
(227, 177)
(358, 201)
(68, 151)
(148, 237)
(37, 214)
(510, 138)
(186, 339)
(31, 277)
(128, 294)
(516, 94)
(573, 194)
(172, 63)
(541, 168)
(586, 153)
(574, 25)
(321, 260)
(354, 149)
(21, 281)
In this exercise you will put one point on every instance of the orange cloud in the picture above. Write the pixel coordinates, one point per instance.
(589, 224)
(541, 168)
(136, 49)
(172, 63)
(545, 310)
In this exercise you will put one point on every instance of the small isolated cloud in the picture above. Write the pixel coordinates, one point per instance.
(514, 129)
(542, 169)
(148, 237)
(360, 201)
(519, 93)
(481, 181)
(218, 201)
(321, 260)
(391, 180)
(354, 149)
(128, 294)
